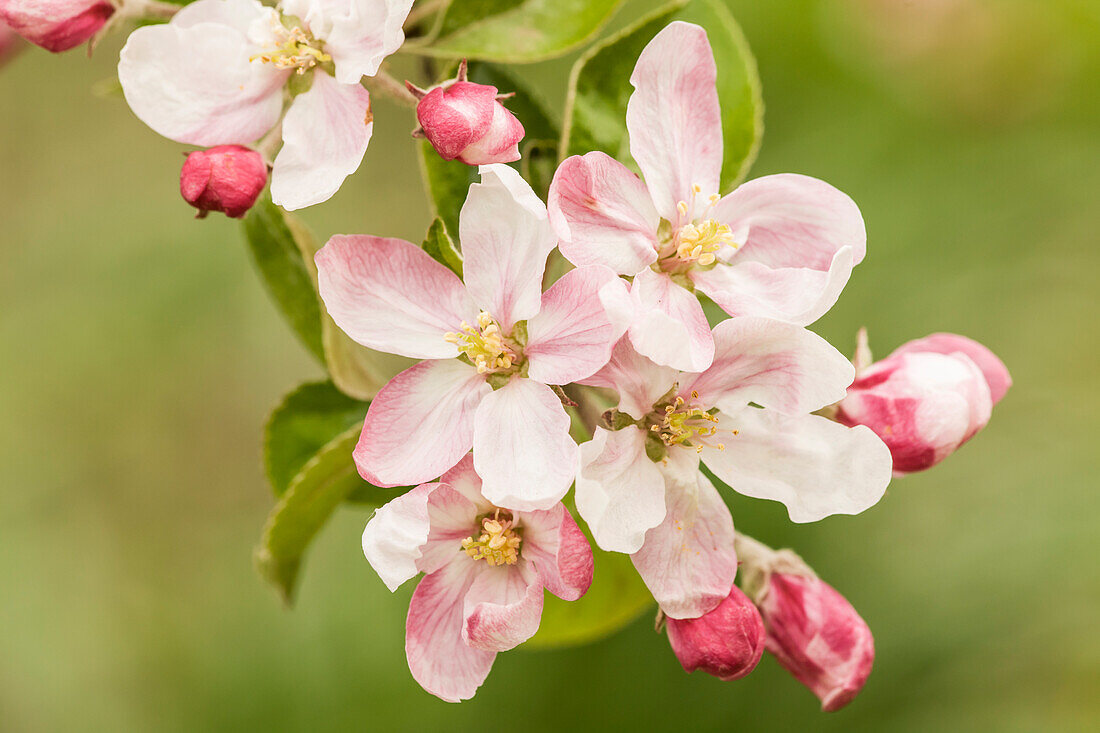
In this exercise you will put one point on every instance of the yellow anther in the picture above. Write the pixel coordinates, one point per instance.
(484, 344)
(700, 242)
(294, 49)
(680, 424)
(498, 543)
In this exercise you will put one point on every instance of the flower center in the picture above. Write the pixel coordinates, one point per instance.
(484, 345)
(677, 423)
(498, 543)
(695, 238)
(294, 49)
(699, 242)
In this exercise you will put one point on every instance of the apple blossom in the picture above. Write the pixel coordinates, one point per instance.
(780, 246)
(639, 488)
(227, 178)
(467, 121)
(219, 72)
(484, 568)
(490, 346)
(927, 398)
(726, 642)
(56, 25)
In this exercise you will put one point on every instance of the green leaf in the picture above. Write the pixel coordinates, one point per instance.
(599, 87)
(447, 182)
(515, 31)
(324, 481)
(617, 597)
(278, 257)
(441, 247)
(525, 103)
(306, 420)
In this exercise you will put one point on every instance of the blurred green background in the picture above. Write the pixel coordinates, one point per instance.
(139, 357)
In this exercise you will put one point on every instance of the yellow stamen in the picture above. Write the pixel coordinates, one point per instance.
(699, 242)
(484, 345)
(681, 424)
(294, 50)
(498, 543)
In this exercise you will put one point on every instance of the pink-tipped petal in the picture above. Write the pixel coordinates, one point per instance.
(639, 381)
(812, 465)
(505, 240)
(394, 536)
(440, 661)
(796, 295)
(995, 372)
(325, 135)
(602, 214)
(55, 25)
(522, 448)
(420, 424)
(789, 220)
(572, 336)
(390, 295)
(669, 327)
(452, 517)
(464, 479)
(195, 83)
(503, 607)
(559, 551)
(774, 364)
(688, 561)
(674, 118)
(499, 141)
(620, 492)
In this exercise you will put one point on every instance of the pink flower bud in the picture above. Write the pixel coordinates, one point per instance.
(227, 178)
(726, 642)
(466, 121)
(56, 25)
(818, 637)
(927, 398)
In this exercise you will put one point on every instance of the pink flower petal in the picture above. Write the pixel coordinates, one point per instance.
(669, 327)
(995, 372)
(559, 551)
(358, 34)
(394, 536)
(325, 134)
(620, 492)
(503, 607)
(602, 214)
(522, 448)
(788, 220)
(505, 240)
(499, 142)
(440, 661)
(688, 561)
(464, 479)
(455, 116)
(420, 424)
(572, 335)
(453, 518)
(376, 290)
(639, 381)
(195, 84)
(812, 465)
(774, 364)
(674, 118)
(796, 295)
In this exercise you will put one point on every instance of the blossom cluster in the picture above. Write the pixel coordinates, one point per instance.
(606, 389)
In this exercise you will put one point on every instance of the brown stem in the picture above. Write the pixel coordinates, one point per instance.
(384, 84)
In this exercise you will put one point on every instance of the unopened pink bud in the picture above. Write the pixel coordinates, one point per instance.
(466, 121)
(927, 398)
(56, 25)
(726, 642)
(818, 637)
(227, 178)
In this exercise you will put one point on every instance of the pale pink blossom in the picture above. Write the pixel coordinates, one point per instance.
(927, 398)
(639, 487)
(484, 568)
(814, 632)
(491, 346)
(780, 246)
(467, 121)
(227, 178)
(55, 25)
(217, 74)
(726, 642)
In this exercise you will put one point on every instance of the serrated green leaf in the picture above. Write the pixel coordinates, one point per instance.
(599, 87)
(441, 247)
(278, 258)
(326, 480)
(515, 31)
(617, 597)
